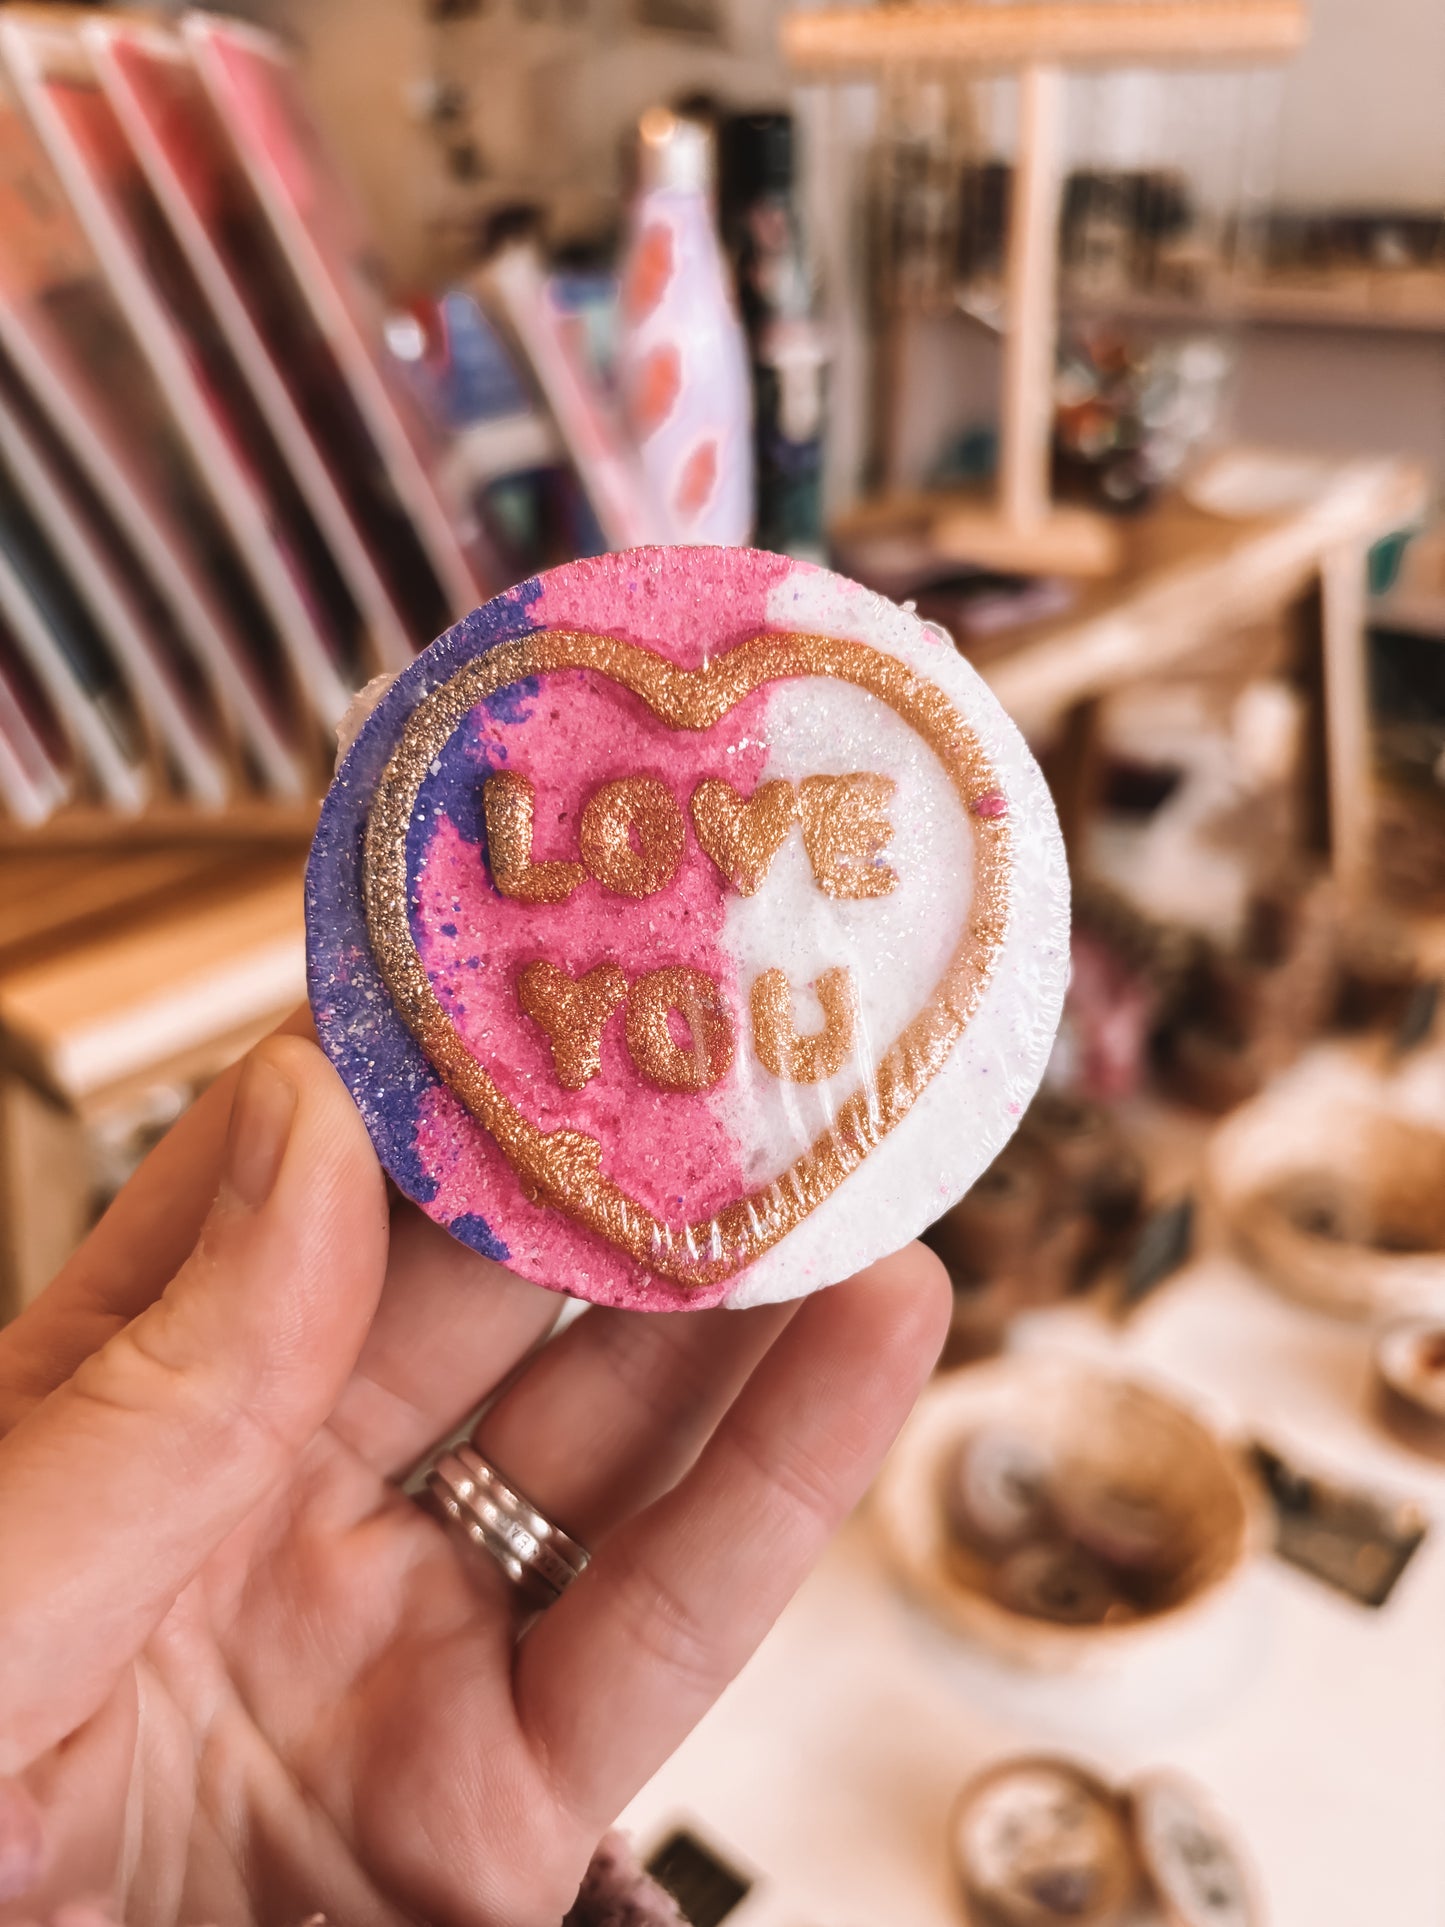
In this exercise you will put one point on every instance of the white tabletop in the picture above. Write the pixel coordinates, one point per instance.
(1316, 1726)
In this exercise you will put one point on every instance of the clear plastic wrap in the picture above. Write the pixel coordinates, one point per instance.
(690, 926)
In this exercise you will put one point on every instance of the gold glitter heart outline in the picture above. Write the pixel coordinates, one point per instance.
(563, 1168)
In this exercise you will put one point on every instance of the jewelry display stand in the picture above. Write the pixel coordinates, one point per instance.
(1025, 531)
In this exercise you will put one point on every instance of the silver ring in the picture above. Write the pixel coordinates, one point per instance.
(539, 1558)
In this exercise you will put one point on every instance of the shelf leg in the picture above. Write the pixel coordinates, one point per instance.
(1029, 345)
(1349, 774)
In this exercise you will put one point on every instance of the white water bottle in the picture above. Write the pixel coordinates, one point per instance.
(682, 356)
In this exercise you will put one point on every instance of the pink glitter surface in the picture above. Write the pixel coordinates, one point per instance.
(669, 1150)
(655, 597)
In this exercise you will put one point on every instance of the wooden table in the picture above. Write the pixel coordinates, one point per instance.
(1189, 580)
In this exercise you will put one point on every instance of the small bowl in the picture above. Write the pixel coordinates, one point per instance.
(1337, 1202)
(1141, 1496)
(1043, 1842)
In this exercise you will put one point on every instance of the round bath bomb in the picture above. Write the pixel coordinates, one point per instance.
(690, 926)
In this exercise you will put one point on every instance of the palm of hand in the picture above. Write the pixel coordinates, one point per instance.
(243, 1676)
(353, 1686)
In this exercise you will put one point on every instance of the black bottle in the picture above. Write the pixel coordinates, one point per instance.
(777, 296)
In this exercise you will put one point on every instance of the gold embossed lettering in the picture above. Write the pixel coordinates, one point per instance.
(640, 807)
(844, 829)
(566, 1169)
(507, 801)
(696, 999)
(803, 1060)
(742, 835)
(572, 1011)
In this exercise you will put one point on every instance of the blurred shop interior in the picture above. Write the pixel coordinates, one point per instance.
(1111, 334)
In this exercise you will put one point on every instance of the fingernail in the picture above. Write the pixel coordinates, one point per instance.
(262, 1112)
(21, 1842)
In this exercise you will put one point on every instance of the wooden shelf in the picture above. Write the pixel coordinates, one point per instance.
(282, 826)
(1062, 32)
(1388, 302)
(127, 981)
(1187, 576)
(1189, 579)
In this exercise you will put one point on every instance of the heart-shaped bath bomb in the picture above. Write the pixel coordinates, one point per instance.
(690, 926)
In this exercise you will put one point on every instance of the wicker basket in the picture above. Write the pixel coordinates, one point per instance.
(1099, 1436)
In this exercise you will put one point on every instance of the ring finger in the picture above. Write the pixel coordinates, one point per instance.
(612, 1412)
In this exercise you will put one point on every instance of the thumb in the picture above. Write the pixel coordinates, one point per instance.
(115, 1489)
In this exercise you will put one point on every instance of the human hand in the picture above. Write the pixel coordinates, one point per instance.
(243, 1677)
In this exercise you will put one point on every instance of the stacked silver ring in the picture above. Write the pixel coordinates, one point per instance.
(538, 1557)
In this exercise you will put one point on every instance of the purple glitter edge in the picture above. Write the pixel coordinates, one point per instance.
(378, 1059)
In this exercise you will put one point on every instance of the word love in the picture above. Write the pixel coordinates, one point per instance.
(573, 1012)
(632, 834)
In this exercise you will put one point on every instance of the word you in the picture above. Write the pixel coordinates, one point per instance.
(573, 1011)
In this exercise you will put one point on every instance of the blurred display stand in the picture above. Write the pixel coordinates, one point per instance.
(128, 979)
(1026, 531)
(1257, 538)
(224, 494)
(227, 499)
(1257, 541)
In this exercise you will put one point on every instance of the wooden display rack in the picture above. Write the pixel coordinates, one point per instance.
(1189, 579)
(128, 979)
(1025, 531)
